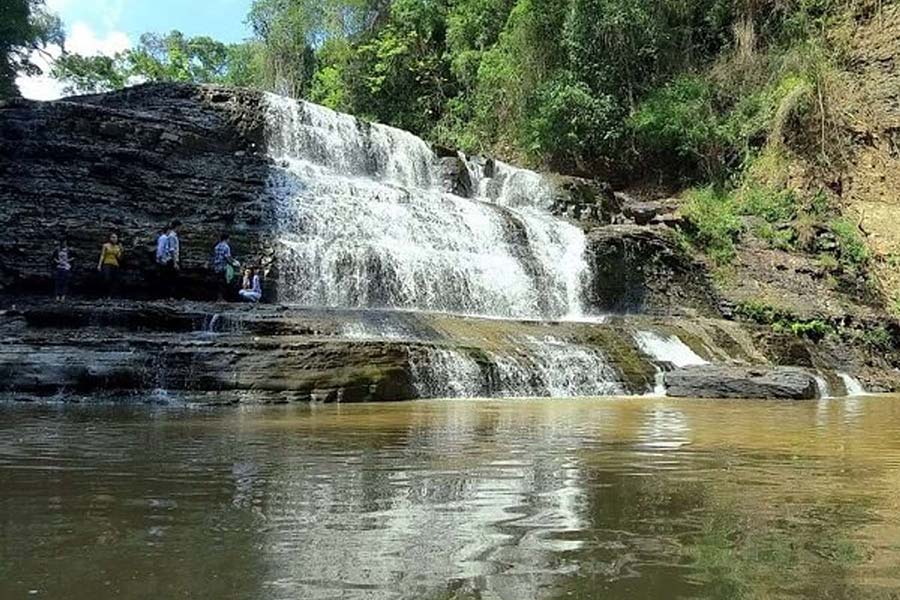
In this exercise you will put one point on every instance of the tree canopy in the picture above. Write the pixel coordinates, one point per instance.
(577, 85)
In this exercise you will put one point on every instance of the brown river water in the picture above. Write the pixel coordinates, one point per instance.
(458, 499)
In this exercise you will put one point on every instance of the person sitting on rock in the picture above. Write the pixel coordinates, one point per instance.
(62, 265)
(251, 290)
(224, 264)
(108, 265)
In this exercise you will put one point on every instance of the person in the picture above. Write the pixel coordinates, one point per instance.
(223, 264)
(162, 242)
(251, 291)
(168, 258)
(62, 265)
(108, 265)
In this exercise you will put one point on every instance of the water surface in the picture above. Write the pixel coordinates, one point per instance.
(464, 499)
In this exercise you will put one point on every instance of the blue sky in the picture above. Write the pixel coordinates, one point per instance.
(221, 19)
(110, 26)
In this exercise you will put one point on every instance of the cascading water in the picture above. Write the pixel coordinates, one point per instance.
(365, 223)
(667, 349)
(853, 385)
(540, 367)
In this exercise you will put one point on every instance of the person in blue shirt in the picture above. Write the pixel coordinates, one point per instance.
(224, 264)
(168, 259)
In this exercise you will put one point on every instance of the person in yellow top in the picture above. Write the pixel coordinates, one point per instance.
(108, 265)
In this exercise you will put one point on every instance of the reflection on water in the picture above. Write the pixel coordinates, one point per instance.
(629, 498)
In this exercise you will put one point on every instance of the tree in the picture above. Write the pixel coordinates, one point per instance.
(170, 57)
(25, 27)
(290, 32)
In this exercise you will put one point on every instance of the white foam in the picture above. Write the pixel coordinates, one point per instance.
(853, 385)
(364, 223)
(667, 349)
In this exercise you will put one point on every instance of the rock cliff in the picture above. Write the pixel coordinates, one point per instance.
(129, 162)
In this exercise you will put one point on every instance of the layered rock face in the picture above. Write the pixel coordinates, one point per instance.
(130, 162)
(221, 354)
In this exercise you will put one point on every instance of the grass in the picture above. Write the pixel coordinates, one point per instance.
(852, 247)
(715, 225)
(784, 322)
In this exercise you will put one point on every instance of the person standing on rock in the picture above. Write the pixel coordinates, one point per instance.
(108, 265)
(62, 265)
(224, 264)
(168, 258)
(162, 242)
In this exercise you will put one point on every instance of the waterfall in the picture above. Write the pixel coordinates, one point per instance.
(541, 367)
(822, 386)
(364, 223)
(853, 385)
(667, 349)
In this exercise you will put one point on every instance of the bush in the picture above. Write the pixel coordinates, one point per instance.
(714, 225)
(566, 121)
(815, 329)
(780, 238)
(679, 121)
(770, 204)
(879, 339)
(782, 321)
(853, 250)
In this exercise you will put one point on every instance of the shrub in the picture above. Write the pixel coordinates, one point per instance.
(780, 238)
(758, 311)
(564, 119)
(878, 338)
(679, 121)
(853, 250)
(773, 205)
(715, 226)
(815, 329)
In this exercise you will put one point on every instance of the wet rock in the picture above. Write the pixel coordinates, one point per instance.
(637, 269)
(709, 381)
(455, 176)
(589, 201)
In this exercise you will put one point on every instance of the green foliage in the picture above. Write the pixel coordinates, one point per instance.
(714, 223)
(879, 339)
(852, 250)
(679, 121)
(814, 329)
(565, 120)
(773, 205)
(588, 86)
(399, 74)
(25, 26)
(784, 322)
(759, 312)
(781, 238)
(172, 57)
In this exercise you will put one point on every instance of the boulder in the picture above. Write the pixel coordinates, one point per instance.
(455, 176)
(713, 381)
(644, 270)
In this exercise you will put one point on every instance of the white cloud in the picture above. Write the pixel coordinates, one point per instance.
(81, 39)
